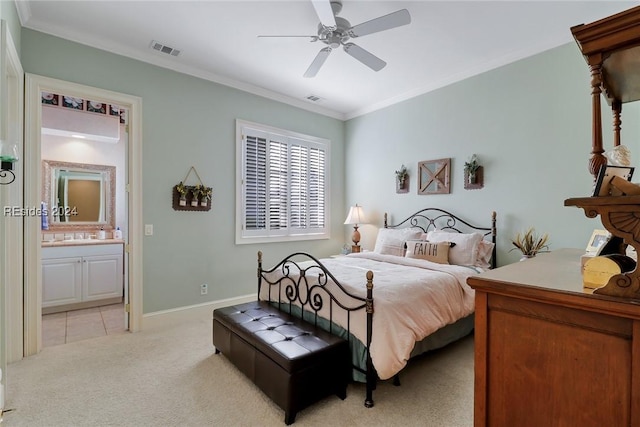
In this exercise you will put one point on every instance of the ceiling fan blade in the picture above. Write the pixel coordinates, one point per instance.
(386, 22)
(325, 12)
(317, 62)
(367, 58)
(313, 38)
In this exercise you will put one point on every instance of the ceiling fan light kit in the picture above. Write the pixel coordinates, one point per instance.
(335, 31)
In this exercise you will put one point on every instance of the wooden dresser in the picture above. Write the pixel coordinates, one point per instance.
(549, 353)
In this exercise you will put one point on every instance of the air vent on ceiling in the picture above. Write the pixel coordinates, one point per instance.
(313, 98)
(164, 48)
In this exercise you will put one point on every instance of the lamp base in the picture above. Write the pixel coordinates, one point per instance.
(355, 248)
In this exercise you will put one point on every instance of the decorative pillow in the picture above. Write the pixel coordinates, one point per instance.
(434, 252)
(485, 252)
(390, 241)
(466, 250)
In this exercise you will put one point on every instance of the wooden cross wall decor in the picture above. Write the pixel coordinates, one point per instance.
(433, 176)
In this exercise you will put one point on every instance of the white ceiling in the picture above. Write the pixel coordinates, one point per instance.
(446, 41)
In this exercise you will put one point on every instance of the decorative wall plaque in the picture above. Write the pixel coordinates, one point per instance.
(433, 176)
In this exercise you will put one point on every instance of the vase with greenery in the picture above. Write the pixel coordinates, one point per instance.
(530, 243)
(206, 194)
(401, 176)
(182, 191)
(196, 191)
(471, 168)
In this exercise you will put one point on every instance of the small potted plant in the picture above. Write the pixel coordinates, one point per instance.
(530, 243)
(401, 176)
(182, 191)
(196, 191)
(207, 192)
(471, 168)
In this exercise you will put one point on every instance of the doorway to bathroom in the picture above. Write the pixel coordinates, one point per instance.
(80, 272)
(84, 229)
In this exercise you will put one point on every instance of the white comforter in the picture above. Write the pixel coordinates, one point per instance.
(412, 299)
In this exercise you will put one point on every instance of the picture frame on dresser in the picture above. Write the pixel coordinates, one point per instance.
(606, 174)
(598, 239)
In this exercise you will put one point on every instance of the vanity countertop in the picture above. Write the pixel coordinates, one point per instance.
(79, 242)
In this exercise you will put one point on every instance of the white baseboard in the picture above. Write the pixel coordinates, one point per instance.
(202, 311)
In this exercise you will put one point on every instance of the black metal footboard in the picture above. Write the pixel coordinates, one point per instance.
(304, 287)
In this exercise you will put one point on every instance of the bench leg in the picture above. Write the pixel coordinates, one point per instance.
(396, 380)
(289, 417)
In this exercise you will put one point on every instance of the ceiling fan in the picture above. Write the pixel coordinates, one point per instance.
(335, 31)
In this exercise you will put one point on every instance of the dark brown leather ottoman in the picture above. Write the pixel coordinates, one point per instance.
(290, 360)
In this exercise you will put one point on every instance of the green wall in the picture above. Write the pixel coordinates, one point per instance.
(9, 14)
(530, 124)
(188, 122)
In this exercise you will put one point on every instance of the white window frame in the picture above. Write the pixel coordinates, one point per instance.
(244, 127)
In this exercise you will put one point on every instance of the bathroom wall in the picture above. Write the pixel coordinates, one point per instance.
(88, 151)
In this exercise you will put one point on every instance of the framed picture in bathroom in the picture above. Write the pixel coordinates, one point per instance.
(73, 103)
(96, 107)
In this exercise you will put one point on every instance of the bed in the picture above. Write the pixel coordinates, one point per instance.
(417, 272)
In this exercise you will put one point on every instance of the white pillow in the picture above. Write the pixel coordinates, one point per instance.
(465, 252)
(390, 241)
(485, 253)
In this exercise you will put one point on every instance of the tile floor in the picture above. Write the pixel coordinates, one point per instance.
(76, 325)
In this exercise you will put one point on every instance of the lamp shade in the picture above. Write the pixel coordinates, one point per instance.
(356, 215)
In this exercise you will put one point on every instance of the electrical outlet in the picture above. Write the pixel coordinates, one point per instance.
(204, 288)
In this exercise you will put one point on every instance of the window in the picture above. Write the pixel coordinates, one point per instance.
(282, 191)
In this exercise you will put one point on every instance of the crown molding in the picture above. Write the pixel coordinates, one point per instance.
(24, 11)
(153, 58)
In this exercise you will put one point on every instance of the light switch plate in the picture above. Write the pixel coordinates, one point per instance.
(148, 229)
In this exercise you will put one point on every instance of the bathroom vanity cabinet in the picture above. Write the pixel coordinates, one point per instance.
(81, 275)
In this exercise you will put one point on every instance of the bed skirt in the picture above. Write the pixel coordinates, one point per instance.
(446, 335)
(438, 339)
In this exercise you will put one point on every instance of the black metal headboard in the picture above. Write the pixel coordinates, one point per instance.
(433, 218)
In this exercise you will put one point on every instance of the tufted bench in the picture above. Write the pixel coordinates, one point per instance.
(290, 360)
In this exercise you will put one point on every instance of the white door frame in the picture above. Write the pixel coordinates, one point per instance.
(11, 129)
(33, 275)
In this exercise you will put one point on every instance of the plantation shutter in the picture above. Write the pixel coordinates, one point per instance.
(317, 188)
(278, 192)
(283, 185)
(255, 183)
(299, 191)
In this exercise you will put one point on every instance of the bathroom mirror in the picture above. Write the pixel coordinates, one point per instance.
(78, 195)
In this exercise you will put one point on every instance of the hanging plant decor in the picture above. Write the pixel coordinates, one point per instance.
(191, 197)
(402, 180)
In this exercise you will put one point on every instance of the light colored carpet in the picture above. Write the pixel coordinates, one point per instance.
(172, 378)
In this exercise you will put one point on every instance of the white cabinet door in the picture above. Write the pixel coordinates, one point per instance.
(81, 273)
(102, 277)
(61, 281)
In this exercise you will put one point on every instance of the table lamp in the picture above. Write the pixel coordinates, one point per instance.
(355, 217)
